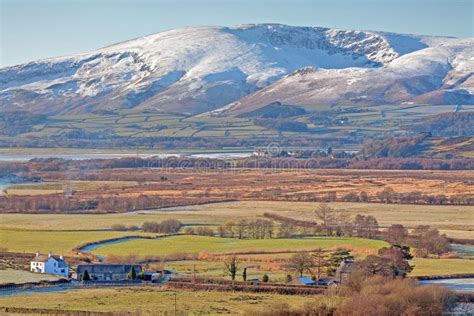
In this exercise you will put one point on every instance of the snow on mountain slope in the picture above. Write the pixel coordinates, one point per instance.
(434, 75)
(200, 69)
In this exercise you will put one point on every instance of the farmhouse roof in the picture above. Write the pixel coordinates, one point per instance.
(306, 280)
(108, 268)
(40, 258)
(44, 258)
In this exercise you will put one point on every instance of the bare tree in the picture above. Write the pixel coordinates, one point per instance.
(320, 260)
(325, 214)
(396, 234)
(231, 267)
(241, 228)
(300, 262)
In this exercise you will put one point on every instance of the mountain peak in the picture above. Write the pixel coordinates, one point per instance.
(198, 69)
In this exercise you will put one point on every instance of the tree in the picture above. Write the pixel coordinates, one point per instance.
(372, 227)
(363, 196)
(231, 267)
(300, 262)
(398, 263)
(375, 265)
(86, 276)
(229, 229)
(325, 214)
(366, 226)
(427, 241)
(396, 234)
(168, 226)
(337, 257)
(285, 230)
(320, 261)
(118, 227)
(221, 231)
(391, 262)
(387, 195)
(265, 278)
(132, 275)
(241, 228)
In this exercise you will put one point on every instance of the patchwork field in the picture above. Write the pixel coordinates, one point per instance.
(325, 124)
(204, 184)
(60, 233)
(455, 220)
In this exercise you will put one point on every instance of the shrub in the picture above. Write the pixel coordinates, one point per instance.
(169, 226)
(204, 231)
(265, 278)
(133, 228)
(86, 276)
(119, 227)
(384, 296)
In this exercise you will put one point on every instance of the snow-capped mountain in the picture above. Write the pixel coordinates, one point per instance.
(233, 69)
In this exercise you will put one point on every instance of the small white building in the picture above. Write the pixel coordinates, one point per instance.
(49, 264)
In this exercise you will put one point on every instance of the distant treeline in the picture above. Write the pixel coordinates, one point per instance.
(55, 164)
(82, 138)
(60, 203)
(447, 124)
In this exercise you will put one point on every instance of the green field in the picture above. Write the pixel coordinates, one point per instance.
(198, 244)
(442, 266)
(54, 241)
(150, 300)
(78, 222)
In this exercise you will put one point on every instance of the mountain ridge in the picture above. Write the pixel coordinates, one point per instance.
(197, 70)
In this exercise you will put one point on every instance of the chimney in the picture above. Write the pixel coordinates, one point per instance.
(49, 255)
(38, 253)
(61, 257)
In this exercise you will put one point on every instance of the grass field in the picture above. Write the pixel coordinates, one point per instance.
(60, 233)
(442, 266)
(451, 217)
(60, 222)
(20, 276)
(454, 220)
(153, 301)
(197, 244)
(64, 186)
(60, 243)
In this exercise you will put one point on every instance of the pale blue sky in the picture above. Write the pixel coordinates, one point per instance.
(34, 29)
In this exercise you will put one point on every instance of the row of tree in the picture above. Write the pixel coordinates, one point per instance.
(65, 203)
(168, 226)
(252, 229)
(317, 262)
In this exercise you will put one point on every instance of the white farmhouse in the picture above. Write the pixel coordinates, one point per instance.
(49, 264)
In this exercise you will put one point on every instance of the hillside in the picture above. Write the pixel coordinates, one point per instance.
(238, 69)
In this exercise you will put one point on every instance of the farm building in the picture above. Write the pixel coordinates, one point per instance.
(326, 281)
(49, 264)
(302, 281)
(343, 273)
(107, 272)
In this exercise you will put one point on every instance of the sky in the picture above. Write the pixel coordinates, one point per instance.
(36, 29)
